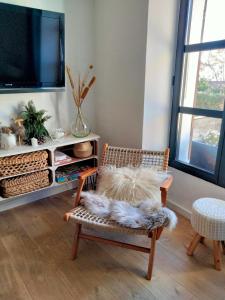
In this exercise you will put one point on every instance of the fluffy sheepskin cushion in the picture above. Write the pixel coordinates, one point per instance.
(130, 184)
(149, 214)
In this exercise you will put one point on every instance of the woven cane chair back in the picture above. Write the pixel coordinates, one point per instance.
(121, 157)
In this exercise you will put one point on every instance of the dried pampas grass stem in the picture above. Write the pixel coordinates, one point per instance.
(80, 88)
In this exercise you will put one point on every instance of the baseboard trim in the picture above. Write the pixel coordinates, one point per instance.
(179, 209)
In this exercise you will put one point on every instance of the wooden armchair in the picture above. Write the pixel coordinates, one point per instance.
(120, 157)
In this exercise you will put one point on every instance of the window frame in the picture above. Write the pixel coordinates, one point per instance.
(218, 177)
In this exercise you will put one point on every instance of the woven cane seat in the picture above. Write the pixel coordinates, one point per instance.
(81, 216)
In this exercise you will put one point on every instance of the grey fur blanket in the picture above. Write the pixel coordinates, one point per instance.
(148, 214)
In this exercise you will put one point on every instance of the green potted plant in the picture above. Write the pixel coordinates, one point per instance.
(34, 123)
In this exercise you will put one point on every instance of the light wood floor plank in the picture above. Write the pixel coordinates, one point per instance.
(87, 267)
(40, 276)
(11, 285)
(35, 248)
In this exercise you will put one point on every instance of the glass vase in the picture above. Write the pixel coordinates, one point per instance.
(80, 128)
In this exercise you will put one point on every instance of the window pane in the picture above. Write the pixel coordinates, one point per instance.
(203, 84)
(198, 139)
(206, 21)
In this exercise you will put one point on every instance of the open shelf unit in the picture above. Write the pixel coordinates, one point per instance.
(65, 145)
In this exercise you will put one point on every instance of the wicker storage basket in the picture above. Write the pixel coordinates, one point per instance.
(24, 183)
(22, 163)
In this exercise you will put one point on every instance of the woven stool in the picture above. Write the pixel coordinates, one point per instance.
(208, 220)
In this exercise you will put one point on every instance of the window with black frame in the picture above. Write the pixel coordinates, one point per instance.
(197, 124)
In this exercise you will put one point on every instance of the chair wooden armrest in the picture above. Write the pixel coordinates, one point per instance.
(166, 184)
(164, 189)
(86, 173)
(67, 215)
(82, 178)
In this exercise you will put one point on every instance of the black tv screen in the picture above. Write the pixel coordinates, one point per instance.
(31, 48)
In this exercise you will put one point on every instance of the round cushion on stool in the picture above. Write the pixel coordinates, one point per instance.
(208, 218)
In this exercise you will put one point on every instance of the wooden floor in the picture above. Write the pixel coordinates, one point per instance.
(35, 245)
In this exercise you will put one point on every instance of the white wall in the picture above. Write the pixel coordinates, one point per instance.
(80, 41)
(54, 5)
(79, 52)
(160, 61)
(133, 92)
(112, 34)
(79, 16)
(161, 46)
(187, 188)
(120, 37)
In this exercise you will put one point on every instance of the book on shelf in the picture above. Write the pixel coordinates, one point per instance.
(69, 173)
(61, 158)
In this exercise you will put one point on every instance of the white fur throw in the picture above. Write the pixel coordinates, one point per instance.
(148, 214)
(130, 184)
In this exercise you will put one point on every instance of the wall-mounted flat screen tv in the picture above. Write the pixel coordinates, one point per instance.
(31, 49)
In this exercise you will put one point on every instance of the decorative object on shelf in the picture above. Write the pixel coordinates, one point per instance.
(58, 133)
(34, 123)
(6, 130)
(8, 139)
(80, 90)
(79, 127)
(82, 150)
(19, 130)
(34, 142)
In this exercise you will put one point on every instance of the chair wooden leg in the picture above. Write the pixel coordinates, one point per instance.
(202, 240)
(76, 241)
(223, 246)
(217, 255)
(151, 254)
(194, 243)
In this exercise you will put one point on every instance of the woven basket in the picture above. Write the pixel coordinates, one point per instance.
(22, 163)
(24, 183)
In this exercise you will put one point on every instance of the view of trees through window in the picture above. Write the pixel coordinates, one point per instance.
(202, 86)
(197, 132)
(211, 83)
(210, 92)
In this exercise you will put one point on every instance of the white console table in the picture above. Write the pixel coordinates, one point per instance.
(50, 147)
